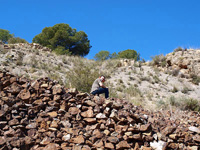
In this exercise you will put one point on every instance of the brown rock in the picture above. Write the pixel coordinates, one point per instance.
(112, 139)
(97, 133)
(106, 132)
(13, 122)
(109, 146)
(90, 120)
(38, 102)
(78, 140)
(196, 138)
(57, 89)
(28, 140)
(146, 148)
(168, 130)
(145, 127)
(24, 94)
(2, 140)
(44, 86)
(45, 141)
(51, 146)
(53, 114)
(2, 113)
(98, 143)
(35, 85)
(122, 145)
(31, 126)
(86, 147)
(74, 110)
(56, 97)
(136, 137)
(88, 114)
(15, 88)
(54, 124)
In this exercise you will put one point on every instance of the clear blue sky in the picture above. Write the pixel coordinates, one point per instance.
(151, 27)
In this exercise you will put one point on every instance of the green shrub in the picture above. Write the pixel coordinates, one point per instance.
(178, 49)
(14, 40)
(82, 76)
(185, 103)
(192, 104)
(161, 104)
(156, 79)
(61, 51)
(133, 91)
(129, 54)
(185, 90)
(158, 60)
(20, 59)
(195, 79)
(175, 72)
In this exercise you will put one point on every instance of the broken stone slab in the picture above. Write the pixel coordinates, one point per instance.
(88, 114)
(101, 116)
(158, 145)
(194, 129)
(78, 140)
(66, 137)
(122, 145)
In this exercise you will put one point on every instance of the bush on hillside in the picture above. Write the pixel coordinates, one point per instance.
(185, 103)
(158, 60)
(178, 49)
(129, 54)
(14, 40)
(102, 55)
(82, 76)
(195, 79)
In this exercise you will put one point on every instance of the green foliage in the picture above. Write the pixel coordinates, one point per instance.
(195, 79)
(114, 55)
(133, 91)
(158, 60)
(5, 35)
(185, 103)
(14, 40)
(102, 55)
(60, 50)
(62, 35)
(129, 54)
(178, 49)
(82, 76)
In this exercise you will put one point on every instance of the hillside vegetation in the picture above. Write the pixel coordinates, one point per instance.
(165, 82)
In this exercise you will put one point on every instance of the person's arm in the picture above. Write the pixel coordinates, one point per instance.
(101, 84)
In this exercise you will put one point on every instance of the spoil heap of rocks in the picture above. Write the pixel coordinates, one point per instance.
(25, 46)
(41, 114)
(187, 61)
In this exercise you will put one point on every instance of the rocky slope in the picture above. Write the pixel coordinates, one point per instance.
(42, 115)
(142, 84)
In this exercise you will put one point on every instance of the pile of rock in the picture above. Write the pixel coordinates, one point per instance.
(41, 114)
(26, 46)
(187, 61)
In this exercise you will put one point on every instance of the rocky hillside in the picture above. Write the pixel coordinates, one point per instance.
(43, 115)
(165, 82)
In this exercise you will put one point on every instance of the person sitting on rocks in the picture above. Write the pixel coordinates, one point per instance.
(99, 88)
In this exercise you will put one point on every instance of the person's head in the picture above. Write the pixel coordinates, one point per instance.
(102, 78)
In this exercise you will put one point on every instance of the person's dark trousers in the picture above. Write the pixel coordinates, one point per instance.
(101, 91)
